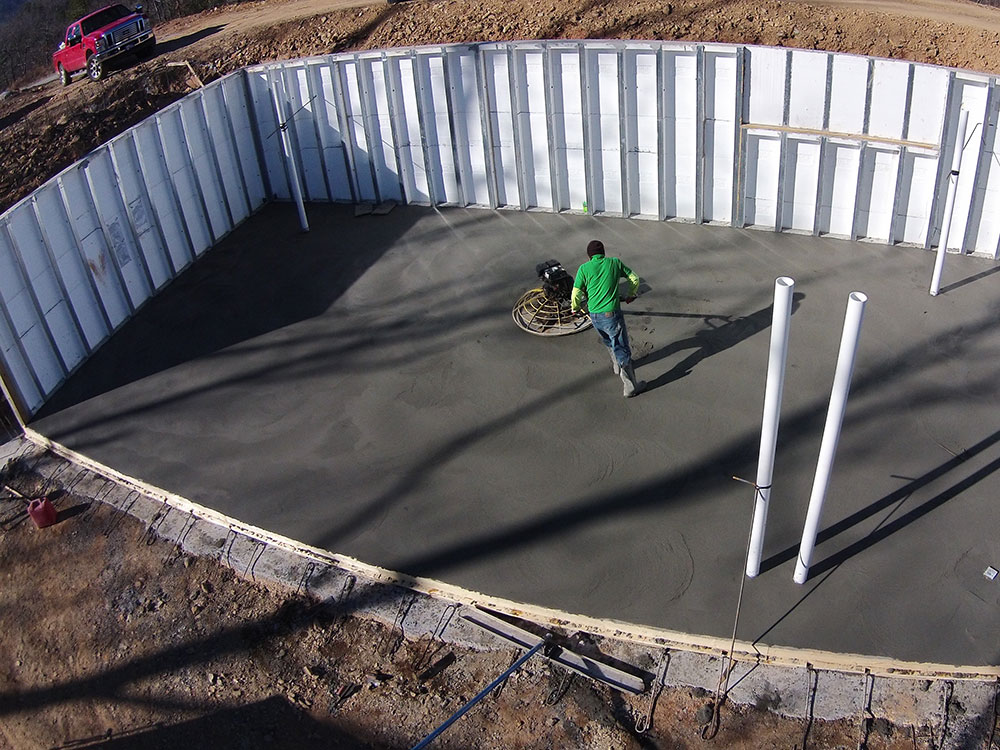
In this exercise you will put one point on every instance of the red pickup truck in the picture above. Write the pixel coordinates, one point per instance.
(101, 36)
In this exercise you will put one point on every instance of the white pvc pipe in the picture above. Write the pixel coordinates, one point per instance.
(949, 203)
(831, 432)
(293, 168)
(783, 288)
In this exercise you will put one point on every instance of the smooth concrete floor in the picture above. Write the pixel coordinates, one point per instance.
(362, 388)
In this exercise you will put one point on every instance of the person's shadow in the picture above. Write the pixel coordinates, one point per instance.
(722, 332)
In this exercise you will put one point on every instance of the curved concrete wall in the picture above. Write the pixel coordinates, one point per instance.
(778, 139)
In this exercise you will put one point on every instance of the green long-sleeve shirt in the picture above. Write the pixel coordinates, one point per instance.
(597, 279)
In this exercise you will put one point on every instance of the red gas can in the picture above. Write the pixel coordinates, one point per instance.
(42, 512)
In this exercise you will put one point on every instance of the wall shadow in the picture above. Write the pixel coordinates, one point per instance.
(896, 497)
(259, 279)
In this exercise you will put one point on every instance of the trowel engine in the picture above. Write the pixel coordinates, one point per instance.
(546, 310)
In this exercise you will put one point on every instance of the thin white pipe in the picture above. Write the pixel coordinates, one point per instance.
(783, 288)
(949, 203)
(293, 168)
(831, 432)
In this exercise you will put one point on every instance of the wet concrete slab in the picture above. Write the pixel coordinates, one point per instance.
(362, 388)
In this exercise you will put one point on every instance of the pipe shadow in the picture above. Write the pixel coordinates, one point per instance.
(971, 279)
(888, 529)
(896, 497)
(714, 339)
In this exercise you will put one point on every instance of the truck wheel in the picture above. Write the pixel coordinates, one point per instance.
(63, 76)
(94, 68)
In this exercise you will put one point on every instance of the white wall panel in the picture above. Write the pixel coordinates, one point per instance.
(767, 85)
(828, 143)
(27, 325)
(568, 136)
(46, 285)
(234, 100)
(807, 103)
(642, 133)
(680, 133)
(302, 107)
(919, 172)
(501, 118)
(470, 140)
(762, 170)
(270, 141)
(720, 125)
(930, 92)
(163, 194)
(534, 129)
(140, 212)
(380, 126)
(81, 295)
(801, 184)
(848, 94)
(972, 99)
(878, 185)
(181, 168)
(94, 246)
(124, 254)
(841, 165)
(222, 138)
(335, 158)
(887, 113)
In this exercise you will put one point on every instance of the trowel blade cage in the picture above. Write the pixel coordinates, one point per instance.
(542, 315)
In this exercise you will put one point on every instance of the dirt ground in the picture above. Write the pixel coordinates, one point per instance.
(113, 638)
(45, 128)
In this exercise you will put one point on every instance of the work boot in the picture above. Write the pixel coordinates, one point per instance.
(627, 374)
(615, 367)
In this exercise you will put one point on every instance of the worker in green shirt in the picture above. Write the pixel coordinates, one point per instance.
(597, 280)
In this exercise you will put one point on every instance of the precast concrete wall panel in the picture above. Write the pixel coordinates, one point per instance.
(151, 245)
(533, 118)
(467, 117)
(642, 138)
(777, 139)
(500, 122)
(335, 157)
(162, 194)
(94, 246)
(379, 125)
(264, 113)
(87, 249)
(295, 82)
(125, 261)
(181, 169)
(568, 129)
(680, 133)
(222, 137)
(720, 127)
(68, 264)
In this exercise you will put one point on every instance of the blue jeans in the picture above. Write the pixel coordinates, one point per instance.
(610, 326)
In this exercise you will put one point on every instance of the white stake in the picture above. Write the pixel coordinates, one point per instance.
(949, 203)
(831, 432)
(293, 167)
(783, 288)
